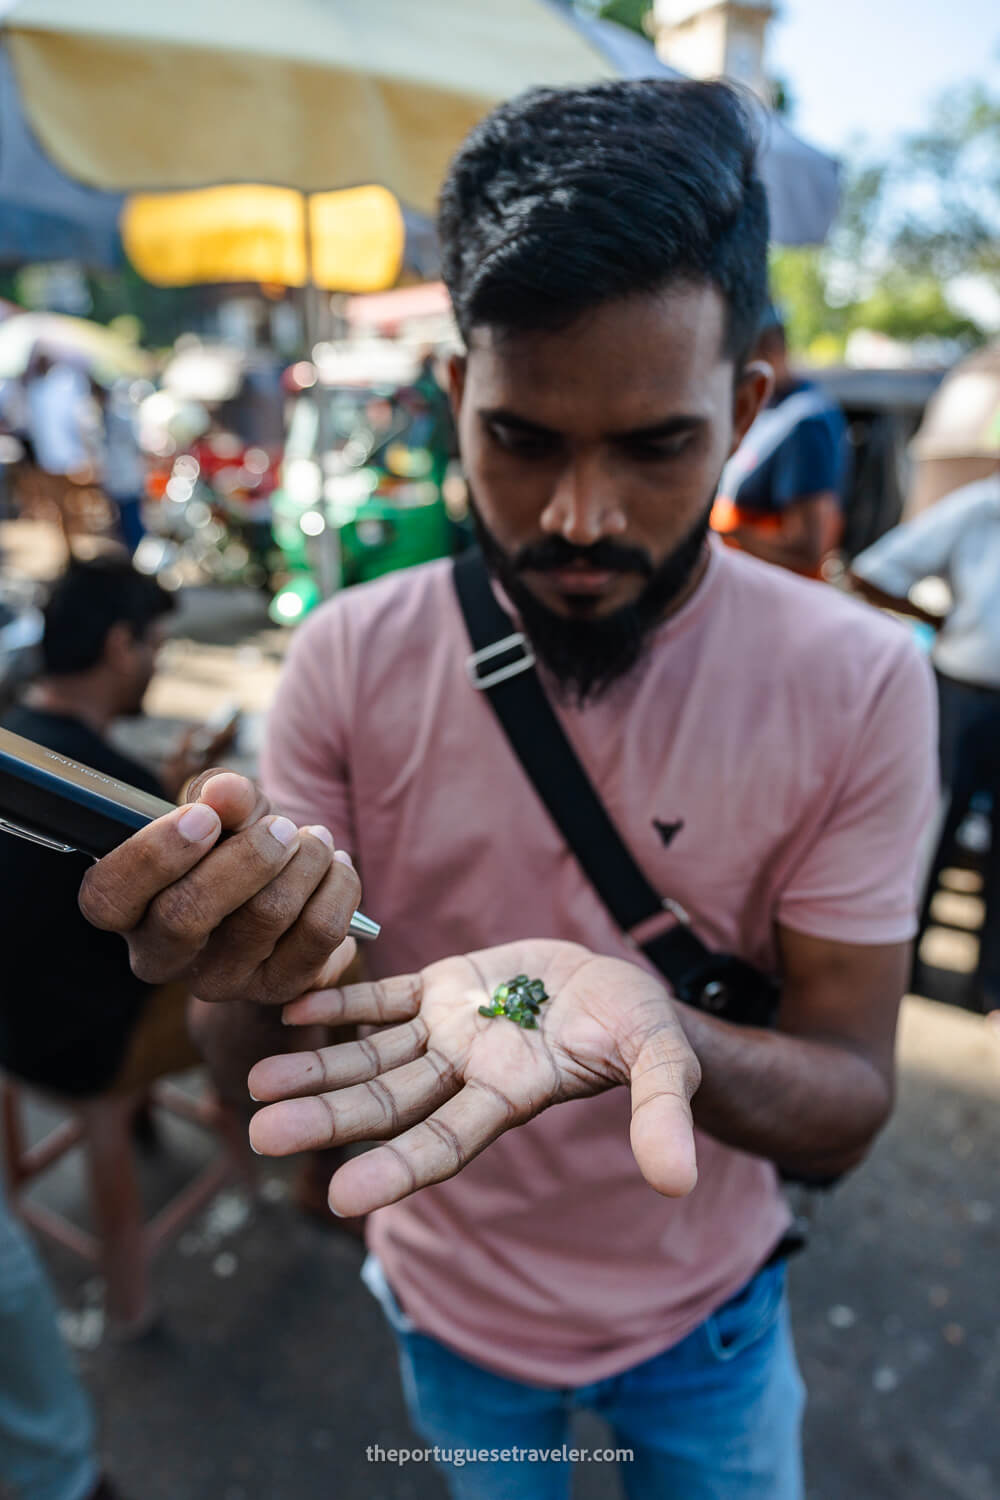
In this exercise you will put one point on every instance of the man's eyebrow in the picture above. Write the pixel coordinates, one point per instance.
(670, 427)
(505, 418)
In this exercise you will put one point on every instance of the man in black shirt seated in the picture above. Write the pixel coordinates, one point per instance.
(71, 1024)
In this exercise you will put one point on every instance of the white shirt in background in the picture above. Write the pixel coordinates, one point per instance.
(58, 402)
(958, 539)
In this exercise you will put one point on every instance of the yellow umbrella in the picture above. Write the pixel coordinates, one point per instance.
(311, 94)
(351, 241)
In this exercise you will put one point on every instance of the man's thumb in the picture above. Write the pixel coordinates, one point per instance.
(664, 1077)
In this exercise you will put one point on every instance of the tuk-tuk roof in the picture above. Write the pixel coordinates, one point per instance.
(368, 364)
(878, 390)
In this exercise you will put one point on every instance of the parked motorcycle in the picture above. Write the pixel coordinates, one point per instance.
(209, 514)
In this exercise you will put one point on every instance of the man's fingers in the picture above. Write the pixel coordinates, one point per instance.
(183, 743)
(117, 890)
(432, 1151)
(319, 929)
(337, 964)
(242, 942)
(238, 800)
(377, 1004)
(182, 917)
(293, 1075)
(664, 1077)
(366, 1112)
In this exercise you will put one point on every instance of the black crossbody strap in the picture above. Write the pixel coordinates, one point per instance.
(502, 666)
(540, 744)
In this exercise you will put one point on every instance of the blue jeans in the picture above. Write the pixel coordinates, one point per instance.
(46, 1426)
(717, 1417)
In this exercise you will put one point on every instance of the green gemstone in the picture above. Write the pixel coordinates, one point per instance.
(518, 1000)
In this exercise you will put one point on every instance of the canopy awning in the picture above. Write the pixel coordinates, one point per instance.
(323, 94)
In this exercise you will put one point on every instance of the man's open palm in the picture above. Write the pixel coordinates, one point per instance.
(446, 1081)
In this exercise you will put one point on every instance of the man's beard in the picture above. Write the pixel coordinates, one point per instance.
(585, 657)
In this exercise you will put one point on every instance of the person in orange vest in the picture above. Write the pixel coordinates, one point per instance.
(780, 494)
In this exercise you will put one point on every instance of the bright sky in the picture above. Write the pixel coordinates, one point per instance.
(872, 67)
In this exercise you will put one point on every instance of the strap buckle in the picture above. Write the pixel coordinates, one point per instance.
(523, 663)
(676, 910)
(655, 925)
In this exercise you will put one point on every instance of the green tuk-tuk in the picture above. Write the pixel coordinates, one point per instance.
(362, 484)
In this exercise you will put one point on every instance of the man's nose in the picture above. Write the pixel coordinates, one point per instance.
(584, 506)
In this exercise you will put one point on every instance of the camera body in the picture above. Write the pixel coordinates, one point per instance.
(731, 989)
(55, 801)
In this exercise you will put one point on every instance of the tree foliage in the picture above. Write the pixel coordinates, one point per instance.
(956, 164)
(911, 307)
(635, 14)
(910, 222)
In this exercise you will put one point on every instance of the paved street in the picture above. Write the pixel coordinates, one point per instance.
(272, 1371)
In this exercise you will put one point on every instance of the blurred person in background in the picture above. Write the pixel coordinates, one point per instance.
(781, 493)
(956, 539)
(13, 408)
(47, 1437)
(63, 425)
(121, 466)
(13, 442)
(88, 1026)
(763, 747)
(59, 417)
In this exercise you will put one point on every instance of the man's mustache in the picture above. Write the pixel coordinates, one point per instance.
(554, 553)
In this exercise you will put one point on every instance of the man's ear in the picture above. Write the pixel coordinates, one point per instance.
(750, 394)
(456, 382)
(118, 645)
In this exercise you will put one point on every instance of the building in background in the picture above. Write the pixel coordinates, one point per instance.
(716, 38)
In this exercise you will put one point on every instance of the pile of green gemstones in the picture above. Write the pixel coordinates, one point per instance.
(519, 1000)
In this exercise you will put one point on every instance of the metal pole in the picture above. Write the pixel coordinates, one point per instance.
(330, 552)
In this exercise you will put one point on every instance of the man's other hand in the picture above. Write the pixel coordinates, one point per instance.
(442, 1081)
(255, 915)
(193, 754)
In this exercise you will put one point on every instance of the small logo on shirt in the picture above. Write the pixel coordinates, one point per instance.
(668, 831)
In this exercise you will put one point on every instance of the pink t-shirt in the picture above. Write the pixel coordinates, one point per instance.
(787, 729)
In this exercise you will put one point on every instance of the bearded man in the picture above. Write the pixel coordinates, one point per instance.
(763, 747)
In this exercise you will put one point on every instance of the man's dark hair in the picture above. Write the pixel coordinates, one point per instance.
(86, 601)
(564, 199)
(771, 335)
